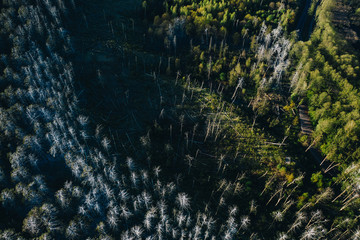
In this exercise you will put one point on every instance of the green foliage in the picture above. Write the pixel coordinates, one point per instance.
(318, 179)
(302, 199)
(222, 77)
(357, 12)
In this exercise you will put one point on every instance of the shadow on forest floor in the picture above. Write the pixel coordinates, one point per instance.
(118, 90)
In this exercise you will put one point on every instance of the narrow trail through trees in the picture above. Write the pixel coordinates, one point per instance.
(305, 122)
(306, 22)
(307, 129)
(304, 32)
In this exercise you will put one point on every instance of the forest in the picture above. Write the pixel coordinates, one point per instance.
(180, 119)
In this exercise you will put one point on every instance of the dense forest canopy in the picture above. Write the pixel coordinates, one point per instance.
(179, 119)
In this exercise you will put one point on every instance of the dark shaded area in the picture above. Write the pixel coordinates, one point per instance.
(306, 23)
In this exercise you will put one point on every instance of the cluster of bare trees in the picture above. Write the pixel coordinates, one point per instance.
(37, 103)
(273, 50)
